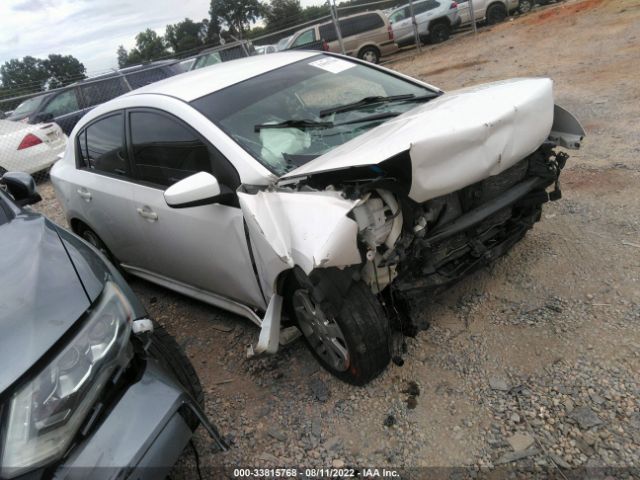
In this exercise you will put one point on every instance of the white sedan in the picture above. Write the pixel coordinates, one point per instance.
(313, 191)
(29, 148)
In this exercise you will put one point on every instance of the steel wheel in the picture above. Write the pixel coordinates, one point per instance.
(369, 56)
(323, 333)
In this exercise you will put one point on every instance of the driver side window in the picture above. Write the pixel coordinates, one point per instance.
(164, 151)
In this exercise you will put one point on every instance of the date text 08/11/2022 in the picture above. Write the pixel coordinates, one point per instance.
(315, 473)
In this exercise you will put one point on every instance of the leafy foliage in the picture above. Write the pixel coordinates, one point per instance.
(186, 35)
(236, 15)
(20, 77)
(279, 14)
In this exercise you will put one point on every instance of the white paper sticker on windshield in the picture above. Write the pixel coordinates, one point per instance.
(332, 64)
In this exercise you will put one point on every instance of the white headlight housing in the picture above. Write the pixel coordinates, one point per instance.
(44, 414)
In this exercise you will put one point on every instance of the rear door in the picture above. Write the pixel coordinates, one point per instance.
(204, 246)
(402, 25)
(425, 12)
(103, 189)
(65, 108)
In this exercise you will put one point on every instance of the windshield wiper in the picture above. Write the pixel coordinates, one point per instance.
(409, 97)
(300, 124)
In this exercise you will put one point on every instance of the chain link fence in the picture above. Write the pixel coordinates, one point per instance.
(34, 126)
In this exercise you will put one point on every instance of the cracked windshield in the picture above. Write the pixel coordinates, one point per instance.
(291, 115)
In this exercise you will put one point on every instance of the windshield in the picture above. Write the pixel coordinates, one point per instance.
(311, 106)
(283, 42)
(26, 108)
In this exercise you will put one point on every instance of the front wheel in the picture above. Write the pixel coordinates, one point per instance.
(343, 324)
(496, 13)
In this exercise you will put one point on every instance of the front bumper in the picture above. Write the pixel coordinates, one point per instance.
(142, 436)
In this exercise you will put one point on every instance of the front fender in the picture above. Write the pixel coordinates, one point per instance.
(307, 229)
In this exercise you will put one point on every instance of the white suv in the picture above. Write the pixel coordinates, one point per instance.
(489, 11)
(435, 19)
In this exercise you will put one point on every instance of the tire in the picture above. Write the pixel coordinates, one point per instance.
(439, 32)
(343, 324)
(496, 13)
(525, 6)
(370, 54)
(166, 350)
(92, 237)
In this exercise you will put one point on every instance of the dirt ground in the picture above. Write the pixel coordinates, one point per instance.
(531, 365)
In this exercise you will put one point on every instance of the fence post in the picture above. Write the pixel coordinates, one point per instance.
(336, 24)
(416, 34)
(472, 16)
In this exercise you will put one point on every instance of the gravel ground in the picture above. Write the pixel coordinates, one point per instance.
(530, 367)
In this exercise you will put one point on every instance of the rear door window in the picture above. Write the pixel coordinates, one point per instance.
(164, 151)
(63, 103)
(96, 93)
(360, 24)
(101, 146)
(150, 75)
(328, 32)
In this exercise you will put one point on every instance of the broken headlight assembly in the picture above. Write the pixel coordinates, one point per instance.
(44, 414)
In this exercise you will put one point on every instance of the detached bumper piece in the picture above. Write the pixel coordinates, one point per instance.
(493, 215)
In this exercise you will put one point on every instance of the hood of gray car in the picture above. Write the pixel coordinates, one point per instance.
(41, 296)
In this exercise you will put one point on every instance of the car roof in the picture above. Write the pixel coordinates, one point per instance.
(197, 83)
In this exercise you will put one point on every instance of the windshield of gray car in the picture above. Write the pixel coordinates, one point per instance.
(293, 101)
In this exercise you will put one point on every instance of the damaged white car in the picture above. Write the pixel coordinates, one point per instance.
(313, 191)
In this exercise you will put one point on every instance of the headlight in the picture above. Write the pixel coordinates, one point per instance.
(45, 414)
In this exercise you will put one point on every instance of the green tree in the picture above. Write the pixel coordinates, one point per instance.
(315, 11)
(279, 14)
(63, 70)
(186, 35)
(24, 76)
(149, 46)
(236, 15)
(123, 57)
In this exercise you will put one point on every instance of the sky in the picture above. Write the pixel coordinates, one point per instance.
(90, 30)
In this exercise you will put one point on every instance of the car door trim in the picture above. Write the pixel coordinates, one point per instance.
(197, 293)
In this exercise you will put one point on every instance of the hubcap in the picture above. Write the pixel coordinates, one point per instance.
(369, 56)
(323, 333)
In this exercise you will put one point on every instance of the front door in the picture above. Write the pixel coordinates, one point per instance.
(204, 246)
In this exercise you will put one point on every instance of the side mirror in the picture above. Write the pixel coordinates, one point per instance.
(199, 189)
(22, 188)
(43, 117)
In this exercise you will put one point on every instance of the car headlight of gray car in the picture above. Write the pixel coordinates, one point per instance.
(44, 414)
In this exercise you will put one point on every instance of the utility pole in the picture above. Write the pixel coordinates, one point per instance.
(472, 16)
(416, 34)
(336, 23)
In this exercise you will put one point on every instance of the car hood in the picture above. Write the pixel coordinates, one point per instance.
(41, 295)
(455, 140)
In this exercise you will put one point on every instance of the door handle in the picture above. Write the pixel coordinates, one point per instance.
(148, 214)
(85, 194)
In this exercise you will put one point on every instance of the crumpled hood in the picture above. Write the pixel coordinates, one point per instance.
(455, 140)
(41, 296)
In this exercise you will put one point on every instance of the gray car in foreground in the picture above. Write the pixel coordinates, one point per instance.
(89, 387)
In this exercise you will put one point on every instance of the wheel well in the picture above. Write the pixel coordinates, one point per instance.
(77, 225)
(443, 20)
